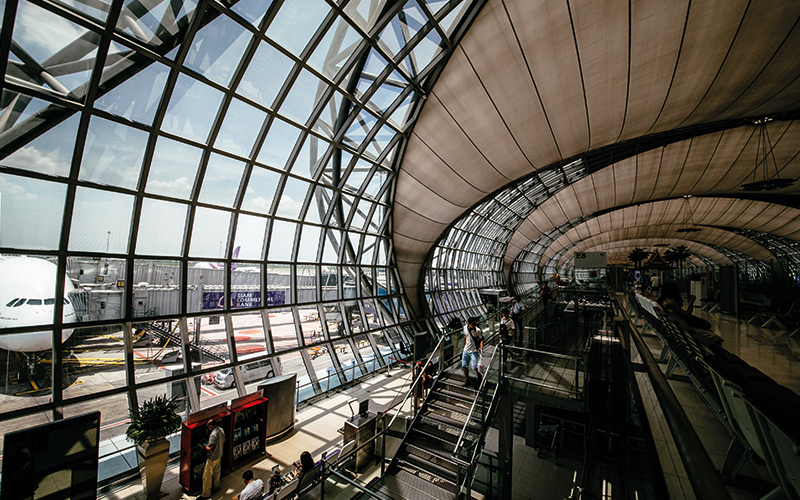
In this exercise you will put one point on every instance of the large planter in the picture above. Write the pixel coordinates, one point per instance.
(152, 458)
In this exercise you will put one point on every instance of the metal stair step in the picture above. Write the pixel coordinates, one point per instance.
(430, 444)
(409, 483)
(440, 430)
(447, 472)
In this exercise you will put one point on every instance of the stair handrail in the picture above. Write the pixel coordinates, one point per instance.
(460, 441)
(342, 459)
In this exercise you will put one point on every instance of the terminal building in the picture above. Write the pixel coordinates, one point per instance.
(199, 196)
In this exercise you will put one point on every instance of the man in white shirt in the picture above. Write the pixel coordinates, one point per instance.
(253, 488)
(473, 345)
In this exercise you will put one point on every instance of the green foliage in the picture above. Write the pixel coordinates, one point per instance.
(154, 419)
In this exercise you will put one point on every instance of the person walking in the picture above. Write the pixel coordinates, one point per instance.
(253, 488)
(473, 346)
(517, 310)
(214, 448)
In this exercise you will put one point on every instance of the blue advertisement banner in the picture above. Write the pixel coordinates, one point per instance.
(239, 300)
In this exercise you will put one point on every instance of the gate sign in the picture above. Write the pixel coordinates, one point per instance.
(590, 259)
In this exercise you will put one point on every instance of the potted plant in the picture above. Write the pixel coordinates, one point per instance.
(151, 423)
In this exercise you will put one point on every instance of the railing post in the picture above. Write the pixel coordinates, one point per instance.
(322, 475)
(383, 444)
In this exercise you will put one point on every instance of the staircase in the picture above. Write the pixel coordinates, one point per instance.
(214, 353)
(424, 467)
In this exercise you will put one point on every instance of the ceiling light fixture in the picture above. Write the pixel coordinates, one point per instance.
(764, 151)
(688, 225)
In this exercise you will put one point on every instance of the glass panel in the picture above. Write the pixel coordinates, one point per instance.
(31, 212)
(292, 199)
(278, 144)
(365, 13)
(217, 48)
(248, 333)
(184, 117)
(161, 228)
(284, 338)
(296, 22)
(101, 221)
(309, 243)
(49, 153)
(265, 75)
(113, 154)
(306, 284)
(282, 241)
(156, 289)
(240, 128)
(400, 116)
(278, 282)
(328, 117)
(299, 102)
(330, 253)
(322, 364)
(26, 373)
(309, 159)
(260, 190)
(173, 169)
(221, 181)
(250, 235)
(252, 10)
(94, 361)
(335, 49)
(332, 312)
(319, 206)
(62, 53)
(245, 286)
(359, 129)
(106, 300)
(209, 231)
(158, 24)
(136, 98)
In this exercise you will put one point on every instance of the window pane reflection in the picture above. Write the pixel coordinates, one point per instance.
(184, 117)
(31, 212)
(161, 228)
(221, 181)
(173, 169)
(209, 233)
(101, 221)
(265, 75)
(113, 154)
(240, 128)
(250, 234)
(217, 49)
(282, 241)
(136, 98)
(51, 152)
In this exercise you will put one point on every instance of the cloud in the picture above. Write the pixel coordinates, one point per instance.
(259, 204)
(10, 188)
(30, 158)
(43, 34)
(179, 185)
(287, 207)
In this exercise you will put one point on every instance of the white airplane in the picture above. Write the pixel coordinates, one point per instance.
(27, 289)
(217, 265)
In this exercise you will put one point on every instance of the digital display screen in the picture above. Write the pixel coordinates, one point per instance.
(55, 461)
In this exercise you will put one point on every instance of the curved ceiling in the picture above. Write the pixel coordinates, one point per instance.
(534, 83)
(664, 219)
(617, 252)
